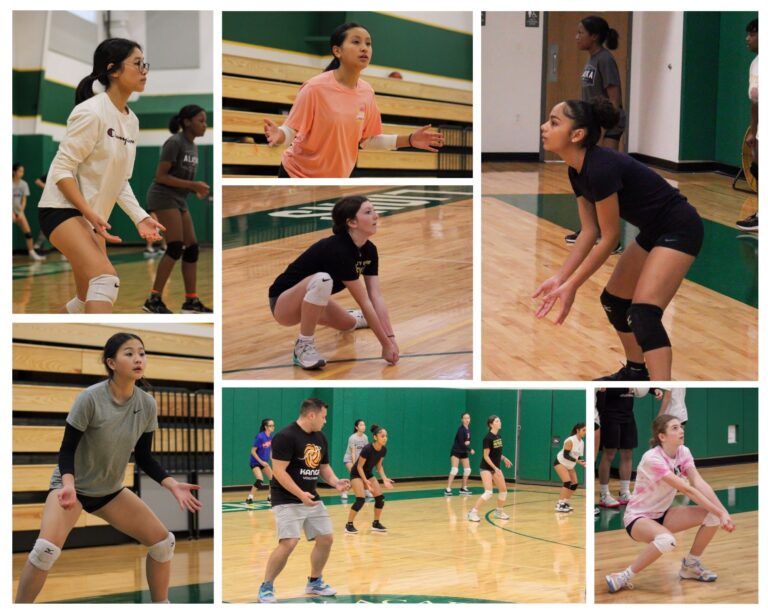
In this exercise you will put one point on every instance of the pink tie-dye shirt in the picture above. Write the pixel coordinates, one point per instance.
(653, 496)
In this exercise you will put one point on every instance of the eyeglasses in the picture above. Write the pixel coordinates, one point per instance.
(141, 66)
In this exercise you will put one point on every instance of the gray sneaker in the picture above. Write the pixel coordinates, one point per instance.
(306, 356)
(360, 322)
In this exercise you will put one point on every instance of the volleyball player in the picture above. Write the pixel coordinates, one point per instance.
(362, 478)
(261, 454)
(610, 186)
(90, 172)
(356, 442)
(20, 195)
(565, 465)
(490, 472)
(302, 293)
(666, 469)
(335, 115)
(107, 422)
(460, 451)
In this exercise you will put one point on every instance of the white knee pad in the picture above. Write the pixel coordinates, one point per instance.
(162, 551)
(710, 520)
(486, 495)
(319, 289)
(75, 305)
(454, 470)
(467, 472)
(664, 542)
(502, 496)
(103, 288)
(44, 554)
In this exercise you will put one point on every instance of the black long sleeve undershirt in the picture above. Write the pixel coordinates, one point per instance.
(67, 450)
(142, 452)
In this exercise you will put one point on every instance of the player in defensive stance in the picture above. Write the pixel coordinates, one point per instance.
(490, 472)
(565, 465)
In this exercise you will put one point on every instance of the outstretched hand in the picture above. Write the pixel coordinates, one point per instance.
(274, 135)
(149, 229)
(423, 139)
(185, 497)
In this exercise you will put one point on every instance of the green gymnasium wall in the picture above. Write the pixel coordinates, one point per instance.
(397, 43)
(715, 110)
(421, 424)
(34, 96)
(710, 411)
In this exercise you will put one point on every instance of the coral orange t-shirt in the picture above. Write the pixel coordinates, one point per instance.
(330, 120)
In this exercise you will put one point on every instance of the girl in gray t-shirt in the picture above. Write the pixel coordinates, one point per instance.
(356, 442)
(107, 422)
(20, 195)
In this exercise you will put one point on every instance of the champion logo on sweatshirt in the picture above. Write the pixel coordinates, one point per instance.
(126, 141)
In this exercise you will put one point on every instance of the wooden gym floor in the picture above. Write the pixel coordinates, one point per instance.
(527, 210)
(116, 574)
(431, 552)
(733, 556)
(45, 287)
(425, 252)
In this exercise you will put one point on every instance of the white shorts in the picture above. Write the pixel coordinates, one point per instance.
(292, 517)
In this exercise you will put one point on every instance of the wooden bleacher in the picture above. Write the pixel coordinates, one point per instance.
(274, 85)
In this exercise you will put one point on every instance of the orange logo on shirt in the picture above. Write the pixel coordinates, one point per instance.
(312, 456)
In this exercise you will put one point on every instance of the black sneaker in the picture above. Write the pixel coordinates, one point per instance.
(626, 374)
(154, 304)
(465, 491)
(749, 224)
(193, 305)
(350, 528)
(448, 492)
(249, 501)
(377, 526)
(571, 238)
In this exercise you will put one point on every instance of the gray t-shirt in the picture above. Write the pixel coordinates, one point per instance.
(599, 73)
(357, 444)
(182, 154)
(20, 190)
(110, 431)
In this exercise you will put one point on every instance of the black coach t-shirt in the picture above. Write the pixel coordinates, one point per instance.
(305, 452)
(336, 255)
(616, 404)
(644, 197)
(372, 457)
(493, 443)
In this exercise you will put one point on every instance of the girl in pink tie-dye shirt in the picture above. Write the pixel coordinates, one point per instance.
(666, 469)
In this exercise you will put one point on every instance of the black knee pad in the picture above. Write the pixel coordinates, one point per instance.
(174, 249)
(358, 504)
(257, 483)
(27, 235)
(573, 486)
(753, 169)
(567, 485)
(192, 253)
(645, 321)
(616, 310)
(379, 502)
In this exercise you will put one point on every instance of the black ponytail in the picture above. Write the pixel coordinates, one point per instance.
(598, 113)
(177, 121)
(599, 27)
(108, 58)
(338, 36)
(577, 427)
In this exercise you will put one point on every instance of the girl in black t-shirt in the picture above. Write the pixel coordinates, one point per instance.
(301, 294)
(363, 479)
(490, 472)
(610, 186)
(460, 451)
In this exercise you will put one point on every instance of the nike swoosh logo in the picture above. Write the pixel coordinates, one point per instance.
(329, 279)
(136, 411)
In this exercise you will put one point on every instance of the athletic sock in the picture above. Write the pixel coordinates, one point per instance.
(691, 560)
(605, 489)
(629, 573)
(310, 338)
(190, 295)
(636, 366)
(624, 486)
(311, 579)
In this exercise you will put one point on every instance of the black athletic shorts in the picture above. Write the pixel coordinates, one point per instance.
(618, 435)
(597, 426)
(92, 504)
(660, 520)
(282, 173)
(618, 129)
(461, 455)
(681, 229)
(51, 217)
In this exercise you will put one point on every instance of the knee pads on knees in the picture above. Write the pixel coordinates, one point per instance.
(27, 235)
(645, 322)
(103, 288)
(192, 253)
(616, 310)
(44, 554)
(664, 542)
(486, 495)
(75, 305)
(358, 504)
(710, 520)
(174, 249)
(162, 551)
(503, 496)
(454, 471)
(567, 485)
(319, 289)
(573, 486)
(467, 471)
(379, 502)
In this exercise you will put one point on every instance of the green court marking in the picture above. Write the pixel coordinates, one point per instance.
(262, 226)
(735, 500)
(387, 599)
(191, 593)
(342, 360)
(727, 263)
(490, 521)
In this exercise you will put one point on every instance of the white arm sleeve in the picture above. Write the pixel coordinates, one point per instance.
(289, 133)
(83, 129)
(130, 205)
(380, 141)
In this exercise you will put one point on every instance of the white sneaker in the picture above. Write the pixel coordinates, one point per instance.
(361, 322)
(563, 508)
(344, 496)
(35, 256)
(473, 517)
(624, 498)
(306, 356)
(501, 515)
(608, 501)
(617, 581)
(697, 571)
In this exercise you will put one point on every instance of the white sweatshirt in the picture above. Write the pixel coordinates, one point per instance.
(98, 151)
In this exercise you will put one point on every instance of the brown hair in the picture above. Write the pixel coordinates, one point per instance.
(659, 426)
(311, 405)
